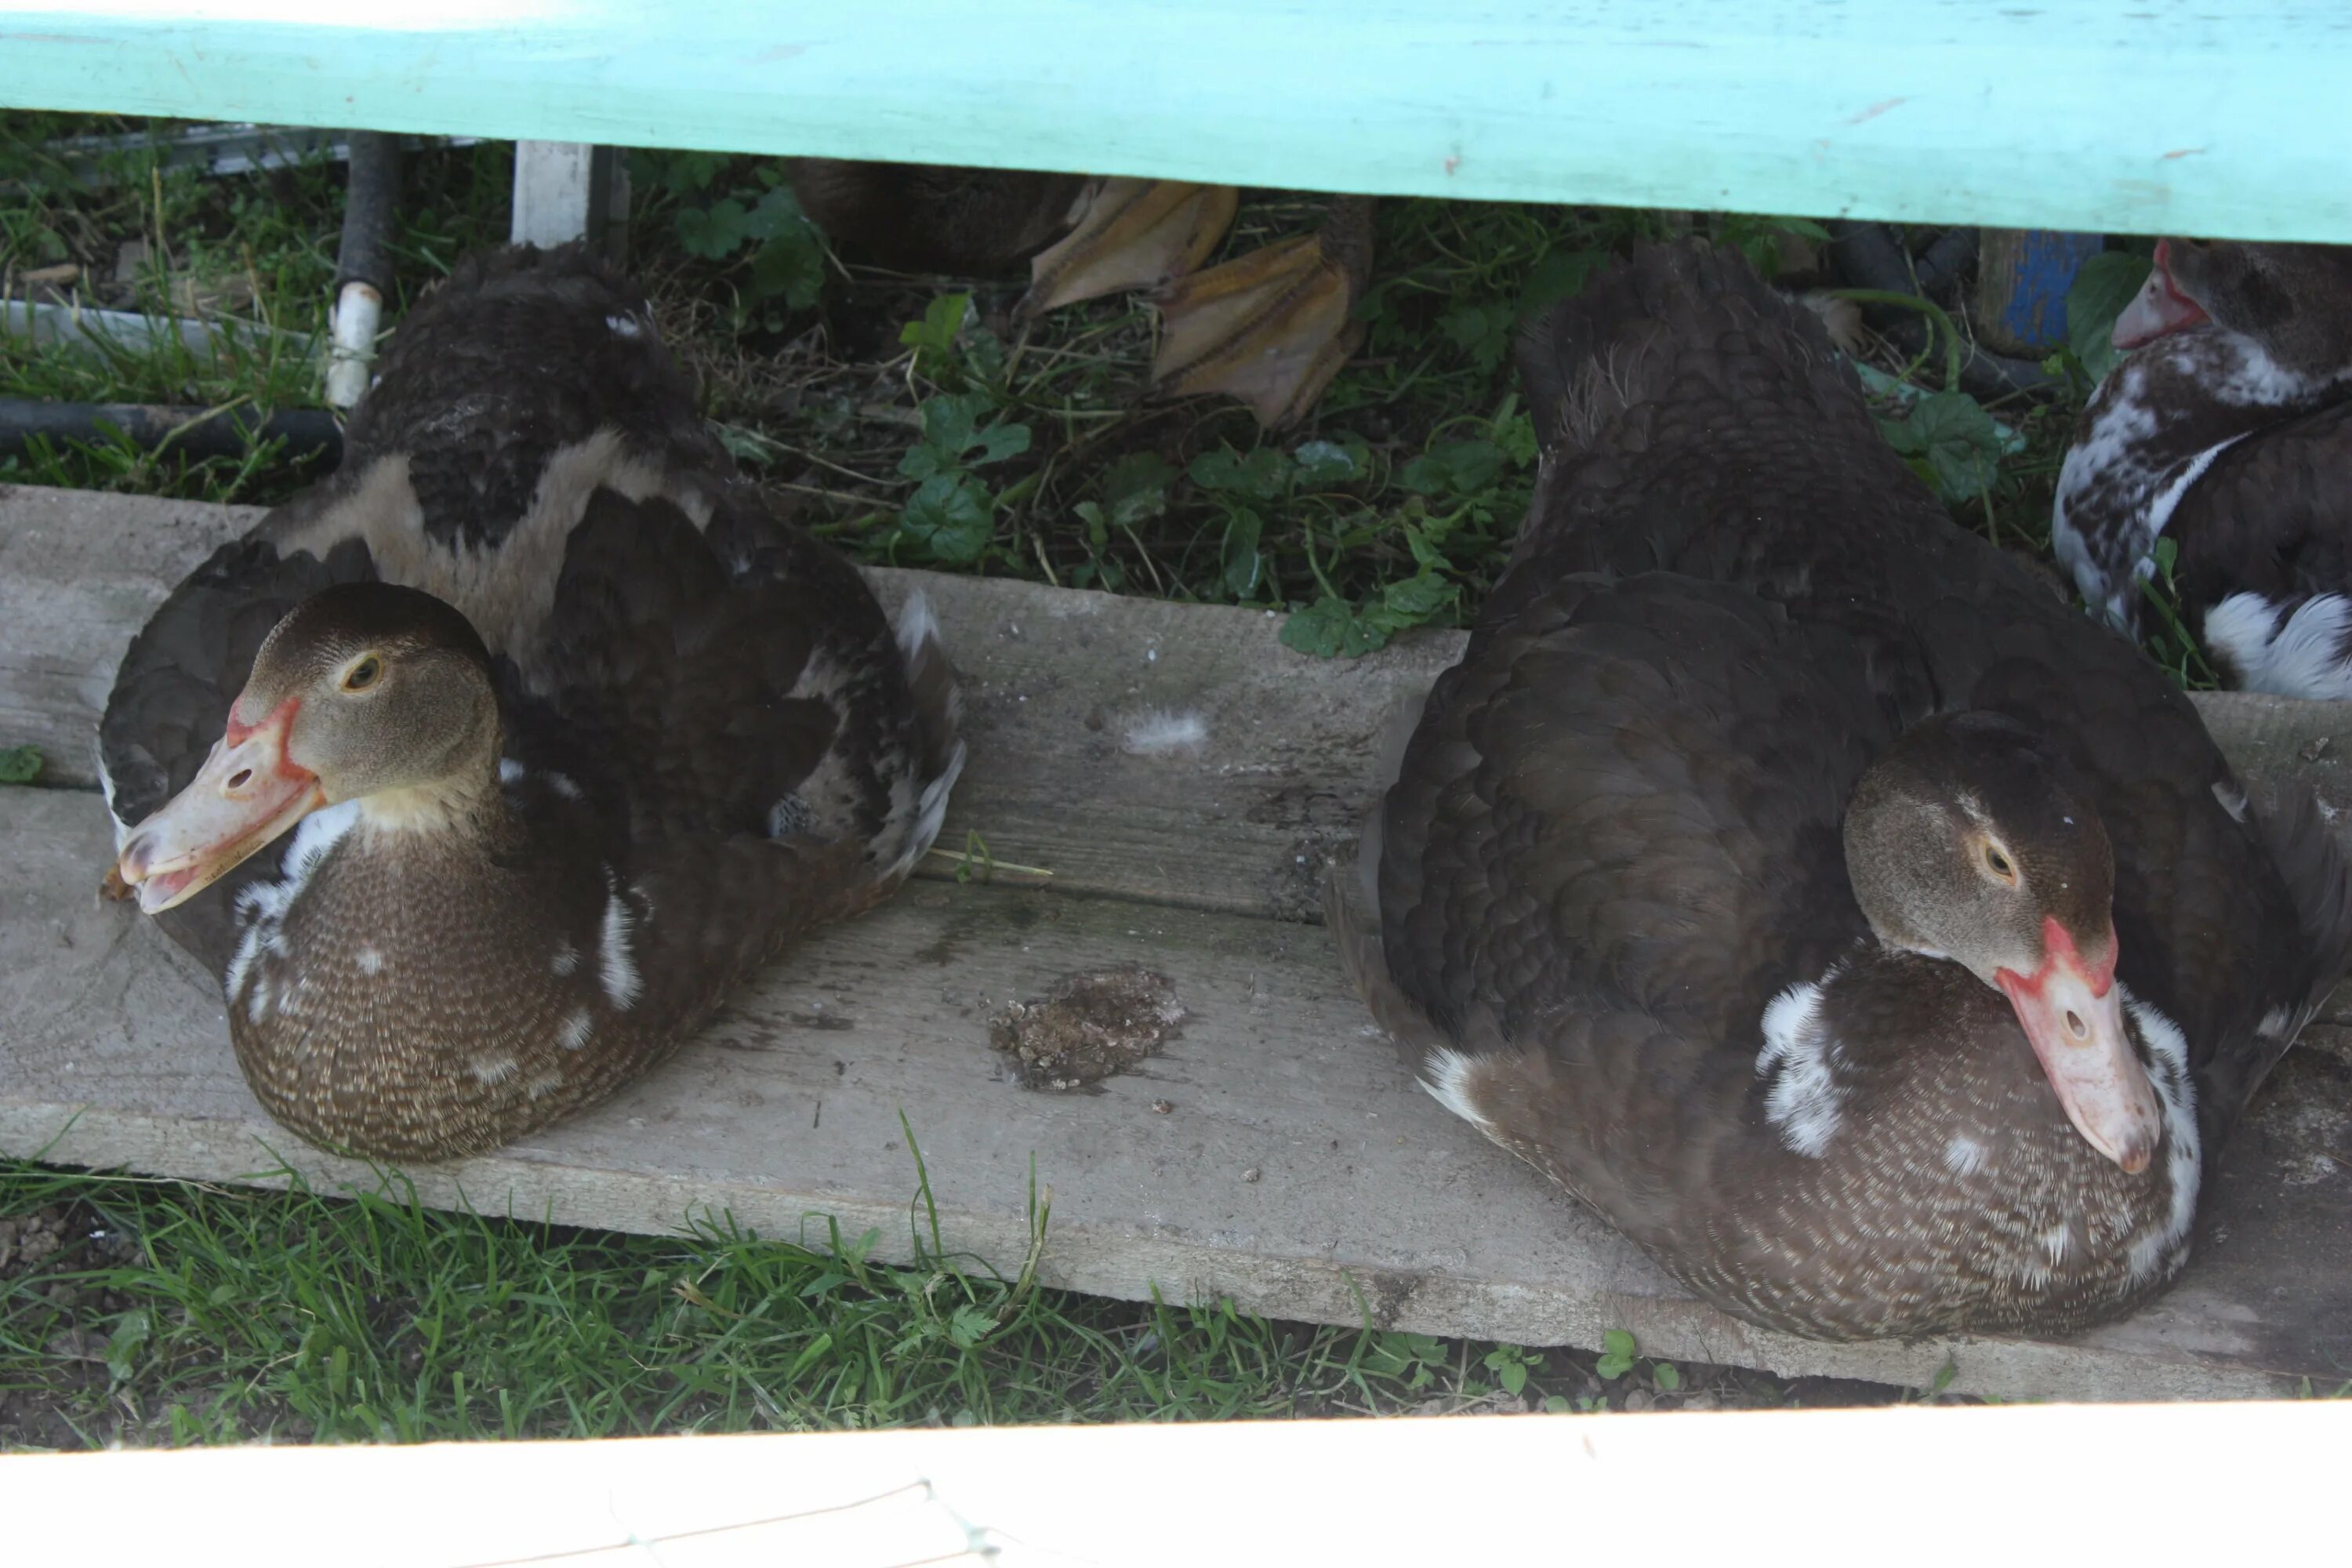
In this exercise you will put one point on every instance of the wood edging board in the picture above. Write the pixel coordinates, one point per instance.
(1275, 1153)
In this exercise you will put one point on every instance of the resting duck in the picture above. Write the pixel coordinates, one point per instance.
(2229, 431)
(1271, 328)
(1882, 946)
(570, 732)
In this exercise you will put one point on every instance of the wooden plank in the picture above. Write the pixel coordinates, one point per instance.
(2102, 114)
(1295, 1168)
(1067, 1495)
(1051, 678)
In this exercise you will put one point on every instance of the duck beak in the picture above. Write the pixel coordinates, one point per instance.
(2157, 308)
(248, 793)
(2073, 1018)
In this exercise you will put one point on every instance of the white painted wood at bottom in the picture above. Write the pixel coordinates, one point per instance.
(1932, 1487)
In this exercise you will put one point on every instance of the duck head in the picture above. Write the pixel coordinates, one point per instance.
(2293, 301)
(367, 692)
(1968, 840)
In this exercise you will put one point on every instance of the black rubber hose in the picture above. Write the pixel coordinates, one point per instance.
(1871, 256)
(189, 430)
(1947, 256)
(367, 253)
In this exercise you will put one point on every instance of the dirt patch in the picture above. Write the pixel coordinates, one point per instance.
(50, 1263)
(1089, 1026)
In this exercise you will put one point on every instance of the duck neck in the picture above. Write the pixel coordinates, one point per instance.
(466, 805)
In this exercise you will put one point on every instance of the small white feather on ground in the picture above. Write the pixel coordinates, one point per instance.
(1160, 732)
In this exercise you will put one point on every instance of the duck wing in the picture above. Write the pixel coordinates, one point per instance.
(733, 699)
(173, 692)
(1613, 839)
(2266, 560)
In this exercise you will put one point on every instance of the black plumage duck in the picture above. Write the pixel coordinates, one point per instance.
(2228, 431)
(571, 732)
(1884, 947)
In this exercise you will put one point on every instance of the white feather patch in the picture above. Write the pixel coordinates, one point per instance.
(1800, 1056)
(2302, 658)
(566, 959)
(1445, 1076)
(261, 908)
(2162, 1248)
(1159, 731)
(574, 1033)
(369, 958)
(616, 968)
(2168, 499)
(106, 783)
(917, 624)
(1964, 1156)
(930, 810)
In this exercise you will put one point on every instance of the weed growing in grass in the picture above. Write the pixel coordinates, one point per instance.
(722, 210)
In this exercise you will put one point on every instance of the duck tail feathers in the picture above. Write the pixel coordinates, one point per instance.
(2318, 880)
(936, 709)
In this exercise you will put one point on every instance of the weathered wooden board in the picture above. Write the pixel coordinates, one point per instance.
(1285, 1492)
(2095, 115)
(1054, 679)
(1293, 1166)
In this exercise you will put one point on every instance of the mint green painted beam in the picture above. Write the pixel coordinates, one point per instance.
(2142, 115)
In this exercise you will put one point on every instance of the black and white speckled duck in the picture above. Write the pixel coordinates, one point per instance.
(1884, 947)
(572, 732)
(2229, 431)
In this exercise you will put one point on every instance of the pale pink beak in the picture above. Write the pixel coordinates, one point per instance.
(2159, 308)
(247, 794)
(2073, 1016)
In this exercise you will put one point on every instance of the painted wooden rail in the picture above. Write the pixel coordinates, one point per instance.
(2123, 115)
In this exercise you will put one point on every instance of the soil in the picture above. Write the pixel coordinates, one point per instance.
(47, 1258)
(1091, 1026)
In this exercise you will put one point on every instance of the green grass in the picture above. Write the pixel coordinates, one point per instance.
(180, 1312)
(254, 255)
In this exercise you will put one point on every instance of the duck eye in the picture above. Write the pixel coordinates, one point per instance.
(363, 674)
(1998, 863)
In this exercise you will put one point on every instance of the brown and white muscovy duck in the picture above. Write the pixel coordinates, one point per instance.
(2228, 431)
(1270, 328)
(485, 771)
(1879, 943)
